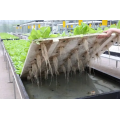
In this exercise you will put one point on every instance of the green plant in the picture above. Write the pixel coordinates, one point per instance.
(113, 26)
(118, 24)
(53, 35)
(99, 30)
(82, 29)
(91, 31)
(106, 28)
(7, 36)
(43, 32)
(17, 50)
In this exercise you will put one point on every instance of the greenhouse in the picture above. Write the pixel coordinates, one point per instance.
(60, 59)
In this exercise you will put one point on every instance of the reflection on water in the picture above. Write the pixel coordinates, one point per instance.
(79, 85)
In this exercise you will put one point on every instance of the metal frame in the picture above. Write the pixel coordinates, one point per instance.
(115, 58)
(16, 79)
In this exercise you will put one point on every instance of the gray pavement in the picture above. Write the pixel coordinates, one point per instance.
(6, 88)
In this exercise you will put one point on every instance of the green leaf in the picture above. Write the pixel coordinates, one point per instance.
(106, 28)
(77, 30)
(39, 34)
(34, 34)
(63, 34)
(85, 28)
(91, 30)
(82, 29)
(46, 32)
(17, 50)
(53, 35)
(118, 24)
(113, 26)
(99, 30)
(7, 36)
(70, 34)
(58, 34)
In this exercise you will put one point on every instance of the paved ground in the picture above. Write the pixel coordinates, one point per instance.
(6, 89)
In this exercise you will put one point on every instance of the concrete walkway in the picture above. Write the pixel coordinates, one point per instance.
(6, 89)
(107, 67)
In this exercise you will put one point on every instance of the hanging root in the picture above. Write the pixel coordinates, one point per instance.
(39, 66)
(45, 56)
(39, 62)
(74, 70)
(97, 56)
(81, 65)
(31, 76)
(50, 68)
(64, 70)
(77, 58)
(61, 50)
(87, 56)
(85, 43)
(69, 66)
(34, 72)
(96, 46)
(44, 53)
(55, 63)
(28, 77)
(45, 73)
(89, 64)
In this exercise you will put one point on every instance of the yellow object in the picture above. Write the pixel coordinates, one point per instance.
(16, 27)
(67, 26)
(39, 26)
(33, 26)
(63, 23)
(28, 27)
(71, 26)
(90, 25)
(20, 27)
(100, 24)
(104, 22)
(80, 22)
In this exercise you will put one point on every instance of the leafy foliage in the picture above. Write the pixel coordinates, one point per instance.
(42, 33)
(113, 26)
(63, 34)
(99, 30)
(7, 36)
(118, 25)
(53, 35)
(18, 50)
(106, 28)
(91, 30)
